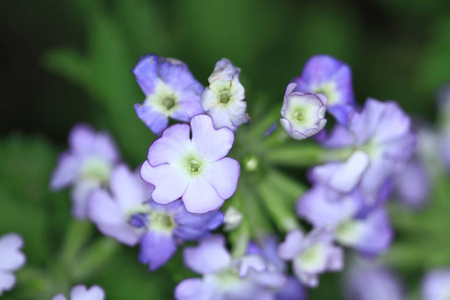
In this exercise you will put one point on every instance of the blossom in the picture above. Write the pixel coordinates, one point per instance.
(86, 165)
(130, 216)
(11, 259)
(193, 169)
(302, 113)
(223, 98)
(224, 277)
(367, 280)
(381, 139)
(170, 90)
(326, 75)
(436, 284)
(80, 292)
(412, 183)
(312, 254)
(116, 213)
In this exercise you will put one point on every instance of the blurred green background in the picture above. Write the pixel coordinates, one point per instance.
(69, 61)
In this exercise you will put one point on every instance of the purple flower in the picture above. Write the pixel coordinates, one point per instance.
(170, 90)
(129, 215)
(116, 214)
(382, 139)
(243, 278)
(80, 292)
(366, 280)
(11, 259)
(311, 255)
(302, 114)
(86, 165)
(436, 285)
(331, 77)
(194, 169)
(223, 100)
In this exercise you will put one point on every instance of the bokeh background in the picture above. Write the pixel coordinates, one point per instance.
(69, 61)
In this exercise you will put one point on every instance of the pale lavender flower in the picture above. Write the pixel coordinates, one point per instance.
(86, 165)
(367, 280)
(303, 114)
(224, 98)
(326, 75)
(115, 212)
(382, 139)
(130, 216)
(436, 285)
(224, 277)
(194, 169)
(80, 292)
(11, 259)
(311, 255)
(170, 90)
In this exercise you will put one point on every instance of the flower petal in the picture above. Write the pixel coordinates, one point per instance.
(223, 175)
(292, 245)
(11, 257)
(200, 197)
(156, 249)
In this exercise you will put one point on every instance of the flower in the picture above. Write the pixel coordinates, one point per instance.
(381, 139)
(436, 284)
(413, 183)
(302, 114)
(367, 280)
(80, 292)
(130, 216)
(116, 214)
(11, 259)
(312, 254)
(194, 169)
(326, 75)
(86, 165)
(223, 99)
(243, 278)
(170, 90)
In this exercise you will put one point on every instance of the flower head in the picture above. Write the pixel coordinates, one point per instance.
(327, 75)
(312, 254)
(436, 285)
(193, 169)
(303, 114)
(129, 215)
(86, 165)
(244, 278)
(223, 99)
(11, 259)
(80, 292)
(170, 90)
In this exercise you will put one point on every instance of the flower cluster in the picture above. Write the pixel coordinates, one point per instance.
(192, 170)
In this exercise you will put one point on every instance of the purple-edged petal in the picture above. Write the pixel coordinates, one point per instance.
(292, 245)
(194, 226)
(156, 249)
(200, 197)
(209, 257)
(173, 143)
(223, 175)
(210, 143)
(169, 184)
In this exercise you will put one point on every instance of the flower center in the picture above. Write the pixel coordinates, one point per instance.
(224, 97)
(194, 167)
(96, 169)
(298, 115)
(164, 221)
(168, 102)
